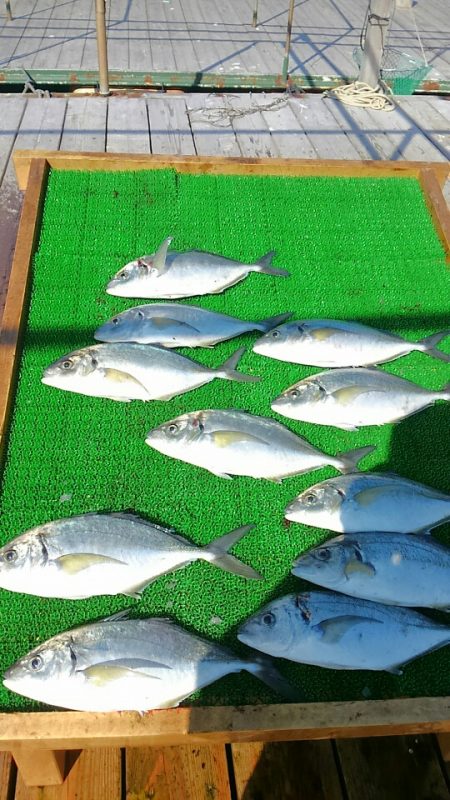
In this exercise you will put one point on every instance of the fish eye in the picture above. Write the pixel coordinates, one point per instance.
(310, 498)
(36, 663)
(301, 328)
(10, 556)
(123, 273)
(275, 334)
(68, 364)
(115, 321)
(140, 315)
(173, 428)
(324, 554)
(294, 393)
(269, 619)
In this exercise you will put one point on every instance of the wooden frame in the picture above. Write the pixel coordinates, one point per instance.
(26, 733)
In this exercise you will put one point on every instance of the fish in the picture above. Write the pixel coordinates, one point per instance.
(338, 343)
(232, 442)
(122, 664)
(178, 325)
(128, 372)
(392, 568)
(172, 275)
(339, 632)
(350, 398)
(106, 554)
(370, 501)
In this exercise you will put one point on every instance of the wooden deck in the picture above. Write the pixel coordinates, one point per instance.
(273, 125)
(360, 769)
(217, 36)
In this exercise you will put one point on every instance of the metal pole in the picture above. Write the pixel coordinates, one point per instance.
(255, 14)
(8, 10)
(287, 45)
(378, 21)
(102, 47)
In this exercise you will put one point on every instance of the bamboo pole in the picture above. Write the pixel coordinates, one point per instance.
(378, 21)
(8, 10)
(287, 45)
(102, 49)
(255, 14)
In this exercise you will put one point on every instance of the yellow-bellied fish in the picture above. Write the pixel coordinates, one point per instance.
(233, 442)
(178, 325)
(350, 398)
(393, 568)
(129, 371)
(96, 554)
(121, 664)
(338, 343)
(170, 275)
(340, 632)
(370, 501)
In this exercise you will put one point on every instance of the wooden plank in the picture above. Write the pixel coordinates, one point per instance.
(85, 124)
(230, 166)
(170, 130)
(18, 285)
(210, 139)
(443, 740)
(252, 132)
(289, 771)
(12, 112)
(8, 775)
(127, 130)
(171, 773)
(329, 140)
(95, 775)
(289, 139)
(283, 722)
(45, 768)
(437, 207)
(391, 768)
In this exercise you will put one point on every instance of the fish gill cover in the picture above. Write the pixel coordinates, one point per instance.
(358, 249)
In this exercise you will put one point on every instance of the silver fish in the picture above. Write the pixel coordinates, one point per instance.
(339, 632)
(164, 275)
(122, 664)
(392, 568)
(236, 443)
(337, 343)
(136, 372)
(370, 501)
(349, 398)
(95, 554)
(178, 325)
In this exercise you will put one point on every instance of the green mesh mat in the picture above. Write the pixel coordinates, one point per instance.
(362, 249)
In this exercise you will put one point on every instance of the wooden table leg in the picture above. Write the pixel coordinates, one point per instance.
(40, 767)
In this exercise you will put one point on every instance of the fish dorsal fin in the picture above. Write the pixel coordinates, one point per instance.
(160, 257)
(228, 438)
(73, 563)
(332, 630)
(130, 517)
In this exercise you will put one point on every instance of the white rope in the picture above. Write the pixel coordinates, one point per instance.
(418, 36)
(362, 95)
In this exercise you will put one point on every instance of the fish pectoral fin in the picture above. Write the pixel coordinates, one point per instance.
(347, 394)
(321, 334)
(73, 563)
(227, 438)
(166, 322)
(109, 671)
(118, 376)
(361, 567)
(332, 630)
(366, 496)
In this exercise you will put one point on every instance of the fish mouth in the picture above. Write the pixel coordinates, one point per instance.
(102, 334)
(290, 510)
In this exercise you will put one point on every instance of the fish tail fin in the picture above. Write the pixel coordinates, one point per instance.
(348, 461)
(264, 264)
(429, 345)
(228, 369)
(444, 394)
(217, 553)
(271, 322)
(263, 668)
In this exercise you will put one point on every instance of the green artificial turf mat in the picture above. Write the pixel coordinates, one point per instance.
(361, 249)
